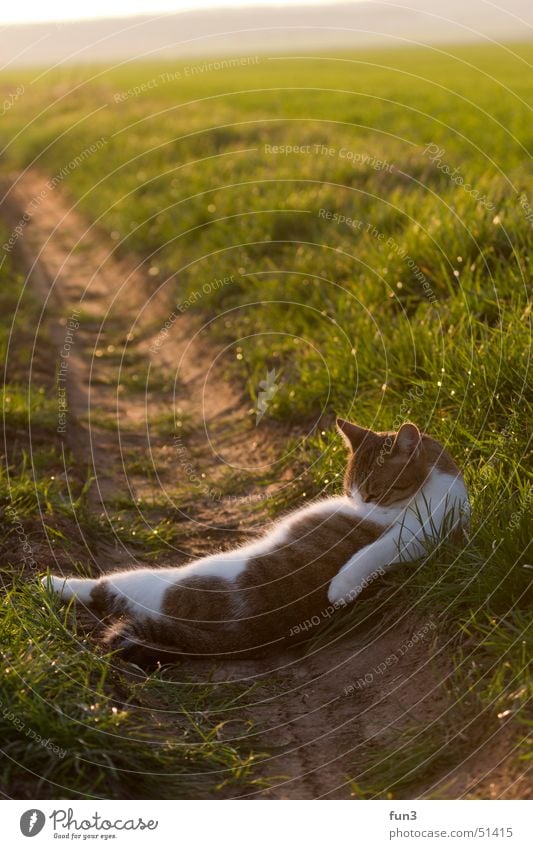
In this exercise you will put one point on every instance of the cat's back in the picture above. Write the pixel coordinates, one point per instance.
(291, 579)
(284, 582)
(439, 457)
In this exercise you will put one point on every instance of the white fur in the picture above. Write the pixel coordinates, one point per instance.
(404, 532)
(68, 588)
(144, 589)
(375, 513)
(418, 524)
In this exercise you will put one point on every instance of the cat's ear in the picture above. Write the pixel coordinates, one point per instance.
(408, 440)
(352, 434)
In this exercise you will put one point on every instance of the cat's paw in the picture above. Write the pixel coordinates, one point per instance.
(342, 590)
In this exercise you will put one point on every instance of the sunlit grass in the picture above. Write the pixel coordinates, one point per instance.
(75, 723)
(417, 307)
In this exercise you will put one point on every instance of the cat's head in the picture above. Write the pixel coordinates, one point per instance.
(384, 468)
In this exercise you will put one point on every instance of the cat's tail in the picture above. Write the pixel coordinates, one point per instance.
(149, 643)
(82, 589)
(149, 647)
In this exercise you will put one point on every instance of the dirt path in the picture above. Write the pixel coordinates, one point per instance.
(180, 427)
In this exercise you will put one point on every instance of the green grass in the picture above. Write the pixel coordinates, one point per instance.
(73, 722)
(74, 725)
(418, 310)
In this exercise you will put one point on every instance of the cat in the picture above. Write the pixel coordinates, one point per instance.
(402, 491)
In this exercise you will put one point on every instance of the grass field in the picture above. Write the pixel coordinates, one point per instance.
(368, 219)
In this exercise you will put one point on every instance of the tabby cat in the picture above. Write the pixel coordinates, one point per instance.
(401, 491)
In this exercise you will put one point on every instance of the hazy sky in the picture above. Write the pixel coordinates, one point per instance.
(30, 11)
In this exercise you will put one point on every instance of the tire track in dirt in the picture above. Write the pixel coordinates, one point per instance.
(315, 724)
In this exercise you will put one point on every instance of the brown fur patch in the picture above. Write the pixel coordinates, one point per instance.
(284, 587)
(101, 598)
(437, 455)
(268, 604)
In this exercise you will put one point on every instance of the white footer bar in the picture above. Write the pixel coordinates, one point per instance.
(268, 825)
